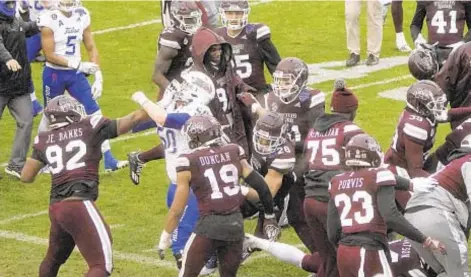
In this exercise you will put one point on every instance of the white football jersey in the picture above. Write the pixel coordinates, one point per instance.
(174, 141)
(68, 32)
(35, 7)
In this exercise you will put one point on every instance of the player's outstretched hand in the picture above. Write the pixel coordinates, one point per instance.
(164, 243)
(434, 245)
(13, 65)
(249, 100)
(271, 228)
(84, 67)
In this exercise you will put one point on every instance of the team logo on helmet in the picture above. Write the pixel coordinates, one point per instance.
(63, 110)
(426, 98)
(202, 130)
(363, 151)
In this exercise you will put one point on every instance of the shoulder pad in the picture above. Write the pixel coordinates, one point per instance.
(384, 175)
(173, 38)
(261, 31)
(82, 11)
(350, 127)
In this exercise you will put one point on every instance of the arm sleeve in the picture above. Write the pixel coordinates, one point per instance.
(418, 20)
(402, 183)
(467, 8)
(334, 227)
(458, 113)
(414, 157)
(394, 219)
(256, 181)
(4, 54)
(269, 54)
(106, 130)
(176, 120)
(38, 155)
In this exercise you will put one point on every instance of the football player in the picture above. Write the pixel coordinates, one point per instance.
(212, 55)
(323, 159)
(448, 207)
(213, 170)
(300, 106)
(62, 31)
(445, 23)
(397, 15)
(273, 157)
(71, 149)
(405, 262)
(189, 99)
(361, 208)
(209, 15)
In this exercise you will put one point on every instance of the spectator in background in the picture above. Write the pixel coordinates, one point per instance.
(375, 30)
(15, 78)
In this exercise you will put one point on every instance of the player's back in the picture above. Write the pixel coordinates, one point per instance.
(215, 173)
(73, 154)
(445, 21)
(355, 196)
(68, 32)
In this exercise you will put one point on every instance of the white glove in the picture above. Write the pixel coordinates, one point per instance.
(85, 67)
(419, 40)
(442, 116)
(164, 243)
(97, 87)
(139, 97)
(421, 184)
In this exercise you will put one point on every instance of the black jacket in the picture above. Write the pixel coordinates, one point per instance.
(13, 33)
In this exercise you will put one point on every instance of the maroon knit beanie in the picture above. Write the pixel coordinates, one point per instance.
(343, 99)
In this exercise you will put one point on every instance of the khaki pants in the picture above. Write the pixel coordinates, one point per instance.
(375, 26)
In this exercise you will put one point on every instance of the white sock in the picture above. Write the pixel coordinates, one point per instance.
(400, 36)
(284, 252)
(33, 96)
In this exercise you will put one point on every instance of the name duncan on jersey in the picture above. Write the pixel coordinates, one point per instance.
(351, 183)
(215, 159)
(69, 134)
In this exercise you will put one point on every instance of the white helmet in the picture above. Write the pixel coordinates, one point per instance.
(67, 5)
(196, 86)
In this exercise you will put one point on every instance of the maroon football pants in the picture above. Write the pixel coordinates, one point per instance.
(297, 219)
(198, 250)
(356, 261)
(78, 223)
(316, 217)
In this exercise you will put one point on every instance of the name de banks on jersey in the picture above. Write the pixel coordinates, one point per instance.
(68, 32)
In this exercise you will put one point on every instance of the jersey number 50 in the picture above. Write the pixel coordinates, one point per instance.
(56, 160)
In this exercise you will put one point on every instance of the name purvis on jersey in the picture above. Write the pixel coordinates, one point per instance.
(68, 32)
(174, 141)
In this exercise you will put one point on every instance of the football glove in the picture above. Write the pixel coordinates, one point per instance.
(271, 228)
(434, 245)
(164, 243)
(84, 67)
(97, 87)
(249, 100)
(419, 41)
(442, 116)
(139, 97)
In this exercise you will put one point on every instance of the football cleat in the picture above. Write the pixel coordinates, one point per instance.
(135, 167)
(112, 164)
(210, 266)
(13, 171)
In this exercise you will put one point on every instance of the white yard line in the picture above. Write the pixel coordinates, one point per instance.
(118, 255)
(21, 217)
(131, 26)
(387, 81)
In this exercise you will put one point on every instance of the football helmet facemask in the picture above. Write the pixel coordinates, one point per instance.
(289, 79)
(269, 133)
(363, 151)
(426, 98)
(234, 14)
(186, 16)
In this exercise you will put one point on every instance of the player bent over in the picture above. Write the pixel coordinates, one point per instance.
(71, 149)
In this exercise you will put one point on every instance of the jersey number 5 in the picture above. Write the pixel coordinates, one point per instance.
(244, 67)
(55, 156)
(71, 42)
(230, 177)
(361, 217)
(438, 21)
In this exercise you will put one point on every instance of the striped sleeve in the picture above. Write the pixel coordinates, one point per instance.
(242, 154)
(385, 177)
(283, 165)
(263, 32)
(182, 164)
(416, 133)
(317, 99)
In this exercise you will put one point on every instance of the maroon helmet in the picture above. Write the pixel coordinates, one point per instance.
(363, 151)
(234, 14)
(289, 79)
(202, 130)
(63, 110)
(423, 63)
(186, 15)
(269, 133)
(426, 98)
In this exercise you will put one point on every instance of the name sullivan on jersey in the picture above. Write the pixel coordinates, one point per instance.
(68, 134)
(215, 159)
(351, 183)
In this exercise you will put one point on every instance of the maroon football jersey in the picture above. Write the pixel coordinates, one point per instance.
(452, 178)
(355, 196)
(453, 141)
(282, 160)
(405, 261)
(300, 114)
(73, 153)
(445, 21)
(215, 174)
(324, 151)
(412, 127)
(180, 41)
(247, 57)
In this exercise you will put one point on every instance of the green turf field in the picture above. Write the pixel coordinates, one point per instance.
(313, 31)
